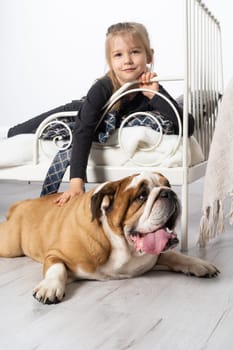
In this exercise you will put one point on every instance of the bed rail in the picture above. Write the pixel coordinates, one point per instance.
(203, 86)
(204, 72)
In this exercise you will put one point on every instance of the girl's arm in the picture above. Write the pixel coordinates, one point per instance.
(86, 122)
(160, 105)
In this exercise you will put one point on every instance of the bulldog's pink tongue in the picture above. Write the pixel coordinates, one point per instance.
(152, 243)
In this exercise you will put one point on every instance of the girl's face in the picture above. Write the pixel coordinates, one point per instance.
(128, 58)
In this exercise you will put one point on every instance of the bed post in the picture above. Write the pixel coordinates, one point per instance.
(184, 188)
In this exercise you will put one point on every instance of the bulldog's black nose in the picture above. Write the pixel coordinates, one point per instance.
(172, 242)
(167, 193)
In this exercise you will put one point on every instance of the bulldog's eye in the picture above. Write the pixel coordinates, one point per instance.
(142, 196)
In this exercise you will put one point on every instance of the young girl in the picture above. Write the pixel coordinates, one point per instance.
(129, 57)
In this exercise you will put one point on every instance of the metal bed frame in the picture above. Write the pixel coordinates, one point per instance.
(202, 87)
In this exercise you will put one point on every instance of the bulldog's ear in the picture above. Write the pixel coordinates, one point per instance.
(102, 199)
(163, 180)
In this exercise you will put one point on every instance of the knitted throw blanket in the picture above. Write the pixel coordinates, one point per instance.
(218, 183)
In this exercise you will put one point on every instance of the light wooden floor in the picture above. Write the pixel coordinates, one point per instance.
(158, 311)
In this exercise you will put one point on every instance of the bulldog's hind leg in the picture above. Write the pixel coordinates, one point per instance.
(51, 289)
(189, 265)
(10, 243)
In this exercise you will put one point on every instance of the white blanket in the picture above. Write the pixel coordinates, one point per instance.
(135, 141)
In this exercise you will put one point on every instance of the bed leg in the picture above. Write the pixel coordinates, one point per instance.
(184, 215)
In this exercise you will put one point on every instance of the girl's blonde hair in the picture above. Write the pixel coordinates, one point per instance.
(138, 33)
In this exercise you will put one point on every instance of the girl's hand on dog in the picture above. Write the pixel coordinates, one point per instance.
(75, 189)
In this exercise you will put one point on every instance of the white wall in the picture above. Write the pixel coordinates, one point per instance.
(52, 50)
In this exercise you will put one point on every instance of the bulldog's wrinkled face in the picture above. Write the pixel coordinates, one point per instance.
(143, 208)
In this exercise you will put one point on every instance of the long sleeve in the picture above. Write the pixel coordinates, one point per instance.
(160, 105)
(86, 122)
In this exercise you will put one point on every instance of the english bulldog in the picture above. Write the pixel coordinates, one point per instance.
(119, 229)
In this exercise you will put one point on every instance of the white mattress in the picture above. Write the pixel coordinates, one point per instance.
(18, 150)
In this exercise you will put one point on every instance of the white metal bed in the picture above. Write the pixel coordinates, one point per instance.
(202, 86)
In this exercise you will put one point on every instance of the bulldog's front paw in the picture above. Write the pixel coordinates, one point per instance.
(201, 268)
(189, 265)
(49, 291)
